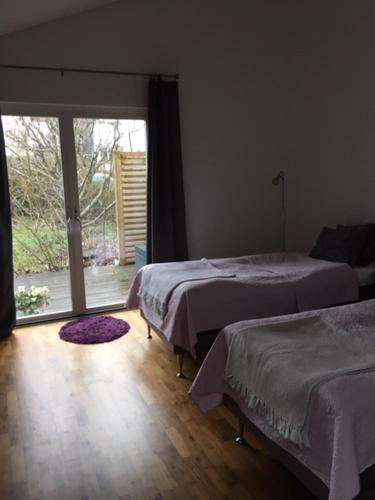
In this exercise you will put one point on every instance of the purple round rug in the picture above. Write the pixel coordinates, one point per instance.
(94, 330)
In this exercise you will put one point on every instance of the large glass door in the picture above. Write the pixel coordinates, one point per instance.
(40, 240)
(78, 199)
(111, 167)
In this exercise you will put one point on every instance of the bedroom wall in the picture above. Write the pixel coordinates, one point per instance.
(234, 65)
(332, 142)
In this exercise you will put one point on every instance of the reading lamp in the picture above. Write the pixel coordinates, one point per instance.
(280, 178)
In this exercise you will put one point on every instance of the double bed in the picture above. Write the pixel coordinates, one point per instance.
(304, 383)
(188, 303)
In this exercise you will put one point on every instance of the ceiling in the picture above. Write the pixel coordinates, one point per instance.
(19, 14)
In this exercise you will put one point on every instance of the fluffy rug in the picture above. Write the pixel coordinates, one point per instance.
(94, 330)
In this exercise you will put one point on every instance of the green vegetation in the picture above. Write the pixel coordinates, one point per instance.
(37, 249)
(37, 196)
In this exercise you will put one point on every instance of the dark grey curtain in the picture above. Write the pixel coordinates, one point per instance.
(166, 229)
(7, 306)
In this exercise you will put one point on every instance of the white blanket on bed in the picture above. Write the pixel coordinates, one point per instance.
(277, 367)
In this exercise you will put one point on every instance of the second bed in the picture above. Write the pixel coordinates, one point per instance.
(305, 382)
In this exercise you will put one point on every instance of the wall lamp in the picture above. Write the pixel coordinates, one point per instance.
(276, 181)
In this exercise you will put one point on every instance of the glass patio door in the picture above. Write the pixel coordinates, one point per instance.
(111, 176)
(78, 200)
(41, 257)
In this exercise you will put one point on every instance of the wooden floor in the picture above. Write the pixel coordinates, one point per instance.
(111, 421)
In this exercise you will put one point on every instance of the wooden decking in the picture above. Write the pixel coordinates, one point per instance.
(104, 286)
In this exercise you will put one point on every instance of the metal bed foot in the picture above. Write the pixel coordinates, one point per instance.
(180, 362)
(149, 336)
(241, 430)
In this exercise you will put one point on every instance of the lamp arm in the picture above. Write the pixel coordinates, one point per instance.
(280, 177)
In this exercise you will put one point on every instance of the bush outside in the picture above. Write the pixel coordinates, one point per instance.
(37, 196)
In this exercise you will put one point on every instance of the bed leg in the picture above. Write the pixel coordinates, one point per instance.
(241, 430)
(180, 362)
(149, 336)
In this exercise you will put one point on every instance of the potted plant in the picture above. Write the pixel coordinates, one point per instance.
(31, 300)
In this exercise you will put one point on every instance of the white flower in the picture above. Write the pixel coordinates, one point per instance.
(21, 289)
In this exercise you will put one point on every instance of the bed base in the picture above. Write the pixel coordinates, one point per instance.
(302, 473)
(205, 341)
(240, 439)
(366, 292)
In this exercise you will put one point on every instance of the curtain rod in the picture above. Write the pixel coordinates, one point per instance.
(92, 71)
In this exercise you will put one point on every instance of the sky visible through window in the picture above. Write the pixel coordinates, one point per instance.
(132, 132)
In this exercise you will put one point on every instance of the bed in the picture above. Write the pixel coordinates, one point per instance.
(334, 456)
(188, 303)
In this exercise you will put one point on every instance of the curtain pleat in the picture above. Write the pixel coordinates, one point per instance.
(7, 305)
(166, 226)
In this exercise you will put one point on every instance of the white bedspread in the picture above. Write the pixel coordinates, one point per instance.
(277, 367)
(343, 409)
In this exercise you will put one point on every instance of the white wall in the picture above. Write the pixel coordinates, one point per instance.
(235, 67)
(332, 140)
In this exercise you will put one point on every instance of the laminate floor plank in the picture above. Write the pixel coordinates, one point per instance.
(112, 421)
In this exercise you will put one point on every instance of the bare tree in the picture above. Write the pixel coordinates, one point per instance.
(38, 203)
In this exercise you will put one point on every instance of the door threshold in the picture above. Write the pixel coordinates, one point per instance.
(67, 316)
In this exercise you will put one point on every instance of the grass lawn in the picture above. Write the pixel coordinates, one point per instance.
(39, 248)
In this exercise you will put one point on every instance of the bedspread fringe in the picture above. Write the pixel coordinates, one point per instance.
(289, 431)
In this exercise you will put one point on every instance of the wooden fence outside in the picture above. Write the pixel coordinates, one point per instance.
(131, 209)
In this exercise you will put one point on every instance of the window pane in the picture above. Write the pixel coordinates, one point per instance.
(111, 167)
(40, 249)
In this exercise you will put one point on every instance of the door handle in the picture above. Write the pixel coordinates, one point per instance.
(73, 218)
(78, 219)
(68, 216)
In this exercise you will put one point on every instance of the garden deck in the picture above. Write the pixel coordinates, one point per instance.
(104, 286)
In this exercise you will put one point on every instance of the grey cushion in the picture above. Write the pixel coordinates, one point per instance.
(367, 255)
(342, 244)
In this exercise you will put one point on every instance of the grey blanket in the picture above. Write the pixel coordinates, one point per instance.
(158, 282)
(277, 367)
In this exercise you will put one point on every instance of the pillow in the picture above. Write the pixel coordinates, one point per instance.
(340, 245)
(367, 254)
